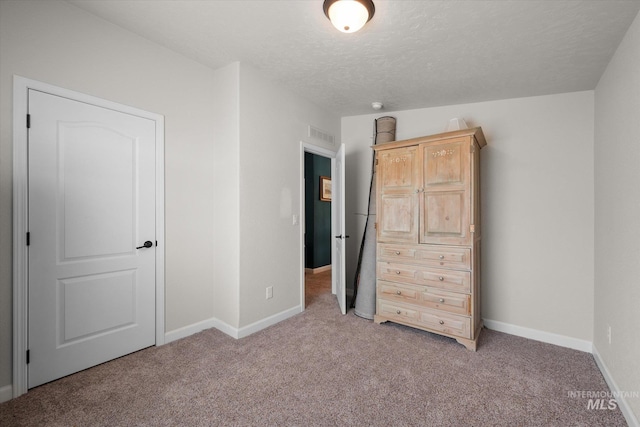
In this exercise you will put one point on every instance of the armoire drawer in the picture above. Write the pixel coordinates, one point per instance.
(451, 280)
(397, 311)
(446, 301)
(398, 292)
(424, 296)
(433, 255)
(403, 273)
(436, 320)
(446, 323)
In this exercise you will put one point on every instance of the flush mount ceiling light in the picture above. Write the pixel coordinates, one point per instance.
(349, 16)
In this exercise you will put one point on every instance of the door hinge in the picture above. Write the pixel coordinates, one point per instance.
(28, 238)
(472, 228)
(28, 121)
(28, 356)
(375, 225)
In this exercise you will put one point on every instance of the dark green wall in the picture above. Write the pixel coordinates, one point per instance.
(317, 213)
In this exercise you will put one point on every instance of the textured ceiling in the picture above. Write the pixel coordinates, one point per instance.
(412, 54)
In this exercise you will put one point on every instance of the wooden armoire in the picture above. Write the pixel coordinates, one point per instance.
(428, 234)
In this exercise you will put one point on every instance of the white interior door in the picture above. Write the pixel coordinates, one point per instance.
(91, 205)
(338, 262)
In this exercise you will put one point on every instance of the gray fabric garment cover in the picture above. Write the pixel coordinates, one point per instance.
(365, 305)
(366, 296)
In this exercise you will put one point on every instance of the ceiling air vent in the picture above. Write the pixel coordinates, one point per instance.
(321, 135)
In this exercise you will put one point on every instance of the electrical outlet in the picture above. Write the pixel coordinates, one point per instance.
(609, 333)
(295, 219)
(269, 292)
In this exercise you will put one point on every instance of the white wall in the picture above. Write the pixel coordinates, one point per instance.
(57, 43)
(273, 122)
(256, 188)
(617, 213)
(537, 201)
(226, 193)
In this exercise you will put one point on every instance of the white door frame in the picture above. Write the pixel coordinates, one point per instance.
(306, 147)
(21, 87)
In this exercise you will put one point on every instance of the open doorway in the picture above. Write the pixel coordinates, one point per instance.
(334, 190)
(317, 226)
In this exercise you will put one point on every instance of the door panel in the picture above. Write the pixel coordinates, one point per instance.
(91, 203)
(111, 160)
(338, 262)
(398, 180)
(398, 220)
(398, 170)
(446, 164)
(95, 304)
(445, 212)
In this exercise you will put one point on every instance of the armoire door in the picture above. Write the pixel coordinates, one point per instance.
(445, 194)
(398, 184)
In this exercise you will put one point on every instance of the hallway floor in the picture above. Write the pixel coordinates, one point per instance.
(316, 285)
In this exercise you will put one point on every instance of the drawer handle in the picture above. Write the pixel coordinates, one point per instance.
(441, 278)
(441, 300)
(441, 257)
(398, 293)
(397, 271)
(398, 311)
(442, 322)
(397, 252)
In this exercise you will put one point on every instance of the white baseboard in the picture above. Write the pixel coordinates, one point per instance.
(6, 393)
(245, 331)
(232, 331)
(632, 420)
(318, 270)
(189, 330)
(269, 321)
(537, 335)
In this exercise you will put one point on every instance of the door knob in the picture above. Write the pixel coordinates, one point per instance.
(146, 244)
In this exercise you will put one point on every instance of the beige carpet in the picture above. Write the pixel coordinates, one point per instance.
(320, 368)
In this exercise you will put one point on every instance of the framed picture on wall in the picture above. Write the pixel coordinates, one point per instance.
(325, 188)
